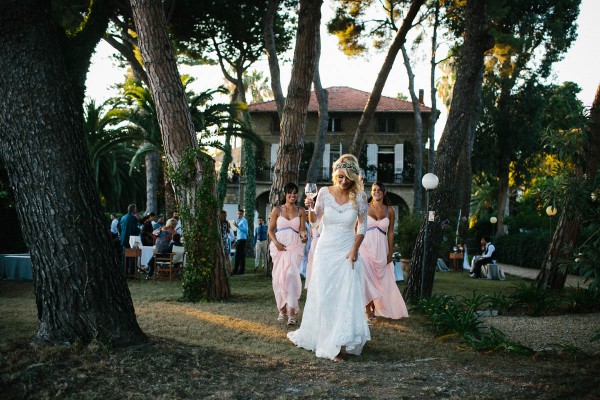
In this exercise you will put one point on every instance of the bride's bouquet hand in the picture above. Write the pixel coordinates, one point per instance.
(352, 256)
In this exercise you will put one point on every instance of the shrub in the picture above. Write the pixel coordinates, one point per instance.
(409, 226)
(524, 249)
(537, 301)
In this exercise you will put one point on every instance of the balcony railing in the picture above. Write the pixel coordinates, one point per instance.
(393, 177)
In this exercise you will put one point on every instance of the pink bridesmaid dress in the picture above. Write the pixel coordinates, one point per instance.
(287, 285)
(315, 232)
(380, 282)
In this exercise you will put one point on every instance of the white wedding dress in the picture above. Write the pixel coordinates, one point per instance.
(334, 317)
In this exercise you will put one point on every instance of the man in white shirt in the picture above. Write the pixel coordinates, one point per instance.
(486, 258)
(114, 225)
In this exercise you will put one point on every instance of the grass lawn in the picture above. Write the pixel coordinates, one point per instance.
(237, 349)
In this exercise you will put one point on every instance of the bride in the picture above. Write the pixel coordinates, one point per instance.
(334, 319)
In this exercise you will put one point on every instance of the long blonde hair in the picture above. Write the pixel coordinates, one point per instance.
(348, 165)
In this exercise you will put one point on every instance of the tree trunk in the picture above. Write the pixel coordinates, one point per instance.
(127, 50)
(433, 117)
(567, 231)
(373, 101)
(152, 160)
(454, 137)
(293, 121)
(464, 167)
(81, 294)
(418, 131)
(271, 50)
(193, 171)
(224, 171)
(503, 192)
(316, 162)
(170, 200)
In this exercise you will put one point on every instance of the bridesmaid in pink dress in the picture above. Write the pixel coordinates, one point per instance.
(382, 297)
(287, 231)
(315, 232)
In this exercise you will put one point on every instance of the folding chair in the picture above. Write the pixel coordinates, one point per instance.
(178, 261)
(163, 264)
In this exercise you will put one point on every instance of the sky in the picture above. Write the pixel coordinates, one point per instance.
(580, 65)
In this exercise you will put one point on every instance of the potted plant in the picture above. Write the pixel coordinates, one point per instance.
(406, 236)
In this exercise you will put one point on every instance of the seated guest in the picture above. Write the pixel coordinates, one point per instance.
(175, 243)
(163, 243)
(159, 222)
(147, 237)
(487, 257)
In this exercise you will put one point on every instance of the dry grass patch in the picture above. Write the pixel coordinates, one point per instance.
(237, 350)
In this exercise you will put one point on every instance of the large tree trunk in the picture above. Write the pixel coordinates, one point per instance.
(454, 138)
(271, 49)
(193, 176)
(80, 290)
(316, 162)
(433, 117)
(170, 200)
(418, 198)
(384, 72)
(567, 231)
(152, 160)
(293, 121)
(465, 171)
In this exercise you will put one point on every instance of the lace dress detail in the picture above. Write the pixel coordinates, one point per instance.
(334, 316)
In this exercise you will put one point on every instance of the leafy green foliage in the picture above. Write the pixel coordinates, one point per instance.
(538, 301)
(230, 27)
(460, 315)
(524, 249)
(409, 226)
(582, 300)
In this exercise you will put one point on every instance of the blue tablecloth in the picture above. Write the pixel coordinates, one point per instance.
(15, 267)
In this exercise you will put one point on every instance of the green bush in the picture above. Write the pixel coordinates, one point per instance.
(523, 249)
(407, 232)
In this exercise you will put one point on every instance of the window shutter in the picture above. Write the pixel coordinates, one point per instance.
(326, 161)
(371, 160)
(398, 158)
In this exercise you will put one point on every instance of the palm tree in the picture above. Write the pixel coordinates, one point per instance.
(211, 121)
(110, 156)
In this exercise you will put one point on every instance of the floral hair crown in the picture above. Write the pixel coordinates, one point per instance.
(350, 166)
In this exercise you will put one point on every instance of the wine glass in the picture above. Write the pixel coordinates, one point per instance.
(310, 190)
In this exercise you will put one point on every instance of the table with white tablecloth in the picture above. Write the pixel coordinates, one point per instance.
(147, 253)
(15, 267)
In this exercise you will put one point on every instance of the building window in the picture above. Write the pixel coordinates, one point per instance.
(275, 124)
(386, 124)
(334, 125)
(335, 151)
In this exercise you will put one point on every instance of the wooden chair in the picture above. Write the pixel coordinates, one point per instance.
(134, 257)
(163, 266)
(178, 261)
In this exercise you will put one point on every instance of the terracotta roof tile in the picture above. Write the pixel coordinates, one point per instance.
(345, 99)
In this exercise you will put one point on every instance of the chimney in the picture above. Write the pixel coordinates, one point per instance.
(421, 94)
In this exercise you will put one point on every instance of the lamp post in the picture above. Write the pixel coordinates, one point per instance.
(551, 211)
(429, 182)
(493, 221)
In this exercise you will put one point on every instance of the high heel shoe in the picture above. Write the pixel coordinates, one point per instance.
(291, 320)
(281, 316)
